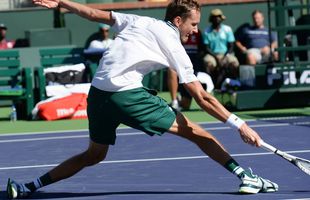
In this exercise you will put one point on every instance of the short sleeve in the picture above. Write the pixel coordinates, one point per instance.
(273, 36)
(205, 37)
(175, 53)
(122, 20)
(230, 34)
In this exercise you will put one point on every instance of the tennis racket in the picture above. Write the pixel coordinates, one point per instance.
(301, 163)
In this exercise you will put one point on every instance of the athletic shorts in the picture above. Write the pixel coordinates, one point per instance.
(138, 108)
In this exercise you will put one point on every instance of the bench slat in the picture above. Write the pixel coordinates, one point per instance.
(61, 51)
(9, 63)
(9, 53)
(60, 61)
(9, 72)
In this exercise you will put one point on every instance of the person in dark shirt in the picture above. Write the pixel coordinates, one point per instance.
(254, 41)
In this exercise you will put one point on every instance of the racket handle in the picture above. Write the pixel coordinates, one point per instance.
(268, 147)
(278, 152)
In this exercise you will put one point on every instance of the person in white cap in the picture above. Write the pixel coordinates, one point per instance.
(103, 41)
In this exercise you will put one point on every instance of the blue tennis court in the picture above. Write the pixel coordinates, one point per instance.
(167, 167)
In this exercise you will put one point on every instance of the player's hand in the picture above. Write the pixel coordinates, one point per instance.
(46, 3)
(249, 136)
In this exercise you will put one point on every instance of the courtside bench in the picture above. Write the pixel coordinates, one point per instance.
(16, 83)
(277, 85)
(52, 57)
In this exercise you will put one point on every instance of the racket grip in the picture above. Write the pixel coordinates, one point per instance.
(268, 147)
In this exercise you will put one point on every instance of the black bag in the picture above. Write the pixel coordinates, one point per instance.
(65, 75)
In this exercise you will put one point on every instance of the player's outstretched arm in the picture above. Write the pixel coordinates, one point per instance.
(79, 9)
(212, 106)
(46, 3)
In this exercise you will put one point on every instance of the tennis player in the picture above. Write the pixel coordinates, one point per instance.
(142, 45)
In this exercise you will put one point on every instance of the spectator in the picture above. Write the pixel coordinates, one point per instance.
(219, 39)
(254, 41)
(100, 41)
(4, 43)
(195, 49)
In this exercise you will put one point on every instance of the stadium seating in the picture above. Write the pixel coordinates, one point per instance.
(16, 83)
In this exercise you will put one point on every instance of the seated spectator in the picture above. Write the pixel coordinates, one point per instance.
(254, 41)
(4, 43)
(195, 50)
(100, 41)
(219, 39)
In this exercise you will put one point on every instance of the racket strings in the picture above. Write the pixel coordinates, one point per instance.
(304, 165)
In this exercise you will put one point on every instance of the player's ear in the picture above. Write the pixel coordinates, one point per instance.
(177, 21)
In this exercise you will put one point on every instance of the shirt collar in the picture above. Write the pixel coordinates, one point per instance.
(170, 24)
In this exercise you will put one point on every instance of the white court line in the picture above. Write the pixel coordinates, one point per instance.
(63, 137)
(201, 123)
(153, 159)
(125, 134)
(298, 199)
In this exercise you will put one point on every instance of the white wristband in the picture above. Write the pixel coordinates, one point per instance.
(234, 121)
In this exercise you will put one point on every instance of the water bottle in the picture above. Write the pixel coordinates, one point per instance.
(230, 84)
(13, 115)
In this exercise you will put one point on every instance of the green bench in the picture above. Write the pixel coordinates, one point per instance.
(52, 57)
(16, 83)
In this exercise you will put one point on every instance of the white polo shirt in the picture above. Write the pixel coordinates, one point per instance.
(142, 45)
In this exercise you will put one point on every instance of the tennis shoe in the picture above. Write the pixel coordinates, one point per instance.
(16, 190)
(252, 184)
(175, 104)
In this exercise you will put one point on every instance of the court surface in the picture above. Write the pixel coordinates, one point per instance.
(140, 167)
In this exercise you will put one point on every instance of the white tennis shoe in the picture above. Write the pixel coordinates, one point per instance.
(252, 184)
(16, 190)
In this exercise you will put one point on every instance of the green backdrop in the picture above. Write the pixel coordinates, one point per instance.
(21, 21)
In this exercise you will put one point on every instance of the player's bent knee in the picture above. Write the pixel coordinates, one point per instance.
(92, 159)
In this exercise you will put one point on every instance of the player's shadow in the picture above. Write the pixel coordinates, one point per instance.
(56, 195)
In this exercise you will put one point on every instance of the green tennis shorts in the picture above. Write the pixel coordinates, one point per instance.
(138, 108)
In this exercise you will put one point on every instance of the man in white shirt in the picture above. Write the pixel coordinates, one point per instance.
(118, 96)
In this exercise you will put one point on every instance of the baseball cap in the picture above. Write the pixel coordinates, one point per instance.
(3, 26)
(217, 12)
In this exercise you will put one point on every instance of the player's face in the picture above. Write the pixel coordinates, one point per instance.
(189, 25)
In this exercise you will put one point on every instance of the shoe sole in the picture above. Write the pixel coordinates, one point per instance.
(252, 190)
(248, 190)
(11, 193)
